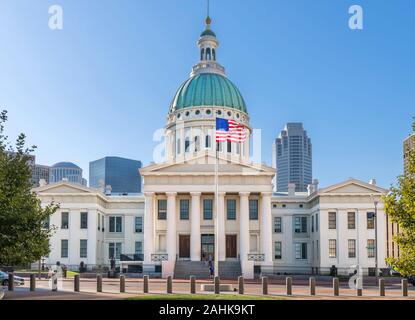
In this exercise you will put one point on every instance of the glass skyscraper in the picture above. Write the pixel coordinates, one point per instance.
(292, 157)
(120, 173)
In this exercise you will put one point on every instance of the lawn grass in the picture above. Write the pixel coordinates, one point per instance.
(202, 297)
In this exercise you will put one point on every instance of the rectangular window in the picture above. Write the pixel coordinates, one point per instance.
(253, 209)
(83, 249)
(370, 220)
(332, 248)
(207, 209)
(114, 250)
(300, 224)
(278, 224)
(231, 209)
(138, 247)
(115, 224)
(84, 220)
(103, 223)
(371, 248)
(99, 222)
(162, 209)
(184, 209)
(332, 220)
(64, 248)
(301, 251)
(278, 250)
(65, 220)
(352, 248)
(351, 220)
(46, 223)
(138, 224)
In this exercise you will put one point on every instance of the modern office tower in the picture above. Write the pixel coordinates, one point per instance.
(119, 173)
(65, 171)
(40, 172)
(408, 144)
(292, 157)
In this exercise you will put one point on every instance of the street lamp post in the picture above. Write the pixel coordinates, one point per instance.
(376, 239)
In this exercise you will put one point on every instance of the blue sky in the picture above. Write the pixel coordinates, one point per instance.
(103, 84)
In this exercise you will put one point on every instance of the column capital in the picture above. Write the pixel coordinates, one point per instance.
(171, 194)
(149, 194)
(221, 194)
(244, 194)
(195, 194)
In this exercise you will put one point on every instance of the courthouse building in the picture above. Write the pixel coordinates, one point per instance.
(169, 229)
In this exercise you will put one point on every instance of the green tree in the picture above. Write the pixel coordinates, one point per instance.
(400, 208)
(24, 237)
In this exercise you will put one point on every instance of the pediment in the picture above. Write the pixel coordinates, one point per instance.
(353, 186)
(206, 165)
(63, 187)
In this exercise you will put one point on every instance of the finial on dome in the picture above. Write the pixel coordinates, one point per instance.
(208, 21)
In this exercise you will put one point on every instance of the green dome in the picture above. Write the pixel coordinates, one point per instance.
(208, 89)
(208, 32)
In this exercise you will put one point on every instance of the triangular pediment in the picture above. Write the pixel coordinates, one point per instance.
(353, 186)
(206, 164)
(64, 187)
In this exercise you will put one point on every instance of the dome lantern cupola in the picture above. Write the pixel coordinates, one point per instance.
(208, 45)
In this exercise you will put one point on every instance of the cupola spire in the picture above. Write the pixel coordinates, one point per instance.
(208, 44)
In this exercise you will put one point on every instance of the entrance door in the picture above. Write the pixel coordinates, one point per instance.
(231, 246)
(208, 247)
(184, 246)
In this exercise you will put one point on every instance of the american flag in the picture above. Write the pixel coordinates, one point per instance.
(229, 130)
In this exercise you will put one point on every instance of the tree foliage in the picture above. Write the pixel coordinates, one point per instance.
(400, 208)
(23, 235)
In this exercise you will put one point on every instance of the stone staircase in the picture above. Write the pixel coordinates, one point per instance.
(185, 269)
(229, 270)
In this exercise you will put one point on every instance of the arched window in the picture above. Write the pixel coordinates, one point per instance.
(197, 144)
(214, 54)
(202, 54)
(187, 145)
(208, 54)
(208, 142)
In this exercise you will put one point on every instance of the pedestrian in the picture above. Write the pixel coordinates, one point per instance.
(211, 270)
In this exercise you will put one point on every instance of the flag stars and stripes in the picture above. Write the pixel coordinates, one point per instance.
(229, 130)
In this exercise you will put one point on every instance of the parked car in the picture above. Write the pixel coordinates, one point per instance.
(394, 273)
(4, 279)
(411, 280)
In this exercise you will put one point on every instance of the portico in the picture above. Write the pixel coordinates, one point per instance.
(182, 222)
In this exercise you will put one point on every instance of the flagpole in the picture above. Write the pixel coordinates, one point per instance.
(216, 264)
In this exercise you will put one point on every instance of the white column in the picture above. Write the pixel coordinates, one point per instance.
(92, 237)
(171, 225)
(148, 227)
(244, 225)
(266, 227)
(195, 245)
(221, 227)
